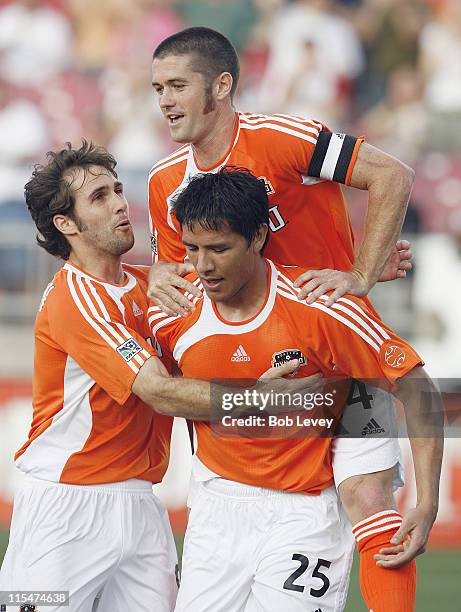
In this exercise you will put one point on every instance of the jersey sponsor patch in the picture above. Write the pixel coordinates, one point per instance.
(129, 349)
(332, 156)
(281, 357)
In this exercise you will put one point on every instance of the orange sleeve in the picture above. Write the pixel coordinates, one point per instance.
(356, 343)
(89, 327)
(166, 243)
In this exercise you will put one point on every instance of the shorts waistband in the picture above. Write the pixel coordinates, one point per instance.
(230, 488)
(133, 485)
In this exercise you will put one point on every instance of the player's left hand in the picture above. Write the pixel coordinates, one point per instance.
(398, 263)
(409, 541)
(317, 282)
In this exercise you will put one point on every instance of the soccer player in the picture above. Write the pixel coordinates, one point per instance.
(86, 520)
(249, 547)
(301, 163)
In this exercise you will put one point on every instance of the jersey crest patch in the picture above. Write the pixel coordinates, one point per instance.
(281, 357)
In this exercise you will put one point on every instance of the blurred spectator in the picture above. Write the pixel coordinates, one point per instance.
(389, 30)
(137, 129)
(310, 46)
(35, 42)
(234, 18)
(440, 44)
(398, 123)
(24, 137)
(437, 297)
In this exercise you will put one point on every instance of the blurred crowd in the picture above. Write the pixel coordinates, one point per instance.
(385, 68)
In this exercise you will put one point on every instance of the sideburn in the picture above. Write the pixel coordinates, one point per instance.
(210, 104)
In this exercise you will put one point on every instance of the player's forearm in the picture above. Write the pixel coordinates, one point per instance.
(424, 416)
(389, 184)
(172, 396)
(181, 397)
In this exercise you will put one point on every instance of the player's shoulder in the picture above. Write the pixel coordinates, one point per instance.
(170, 165)
(264, 126)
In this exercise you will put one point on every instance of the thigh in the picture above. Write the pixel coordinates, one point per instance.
(59, 541)
(147, 576)
(306, 563)
(368, 441)
(218, 561)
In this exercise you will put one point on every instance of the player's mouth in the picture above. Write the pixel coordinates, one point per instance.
(174, 118)
(123, 225)
(212, 283)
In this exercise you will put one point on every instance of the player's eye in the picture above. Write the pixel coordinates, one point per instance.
(220, 249)
(119, 190)
(179, 86)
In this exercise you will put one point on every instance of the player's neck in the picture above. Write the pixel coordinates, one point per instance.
(250, 299)
(214, 145)
(104, 267)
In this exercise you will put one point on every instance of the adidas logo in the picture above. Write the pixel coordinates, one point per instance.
(318, 610)
(240, 355)
(372, 428)
(136, 310)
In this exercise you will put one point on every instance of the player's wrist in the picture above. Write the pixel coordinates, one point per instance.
(363, 277)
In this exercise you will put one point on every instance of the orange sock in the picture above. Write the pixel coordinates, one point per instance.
(384, 590)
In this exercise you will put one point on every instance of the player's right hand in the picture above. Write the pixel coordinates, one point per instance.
(165, 280)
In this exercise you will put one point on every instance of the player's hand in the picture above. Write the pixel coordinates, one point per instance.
(409, 541)
(398, 263)
(315, 283)
(164, 281)
(275, 379)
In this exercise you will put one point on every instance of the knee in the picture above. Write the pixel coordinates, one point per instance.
(366, 494)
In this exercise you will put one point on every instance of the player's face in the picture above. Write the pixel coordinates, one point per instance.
(223, 259)
(184, 98)
(101, 211)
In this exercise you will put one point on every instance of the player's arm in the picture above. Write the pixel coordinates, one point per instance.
(388, 182)
(422, 403)
(374, 352)
(197, 399)
(166, 275)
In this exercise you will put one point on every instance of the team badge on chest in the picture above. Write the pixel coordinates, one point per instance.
(282, 357)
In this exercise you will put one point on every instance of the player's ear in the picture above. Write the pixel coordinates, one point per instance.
(260, 239)
(65, 225)
(223, 85)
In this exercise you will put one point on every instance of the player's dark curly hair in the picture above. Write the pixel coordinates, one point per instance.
(212, 53)
(232, 197)
(48, 193)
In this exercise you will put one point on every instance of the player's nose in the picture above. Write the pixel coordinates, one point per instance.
(205, 263)
(166, 99)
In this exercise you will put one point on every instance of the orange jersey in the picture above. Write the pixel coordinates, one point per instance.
(299, 161)
(90, 342)
(346, 340)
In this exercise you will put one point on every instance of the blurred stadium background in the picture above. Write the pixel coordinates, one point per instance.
(385, 68)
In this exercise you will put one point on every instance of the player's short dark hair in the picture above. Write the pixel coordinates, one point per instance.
(48, 193)
(232, 197)
(212, 52)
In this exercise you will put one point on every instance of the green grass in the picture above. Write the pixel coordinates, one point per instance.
(438, 586)
(439, 580)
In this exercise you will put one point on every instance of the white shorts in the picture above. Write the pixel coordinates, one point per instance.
(369, 439)
(250, 549)
(110, 546)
